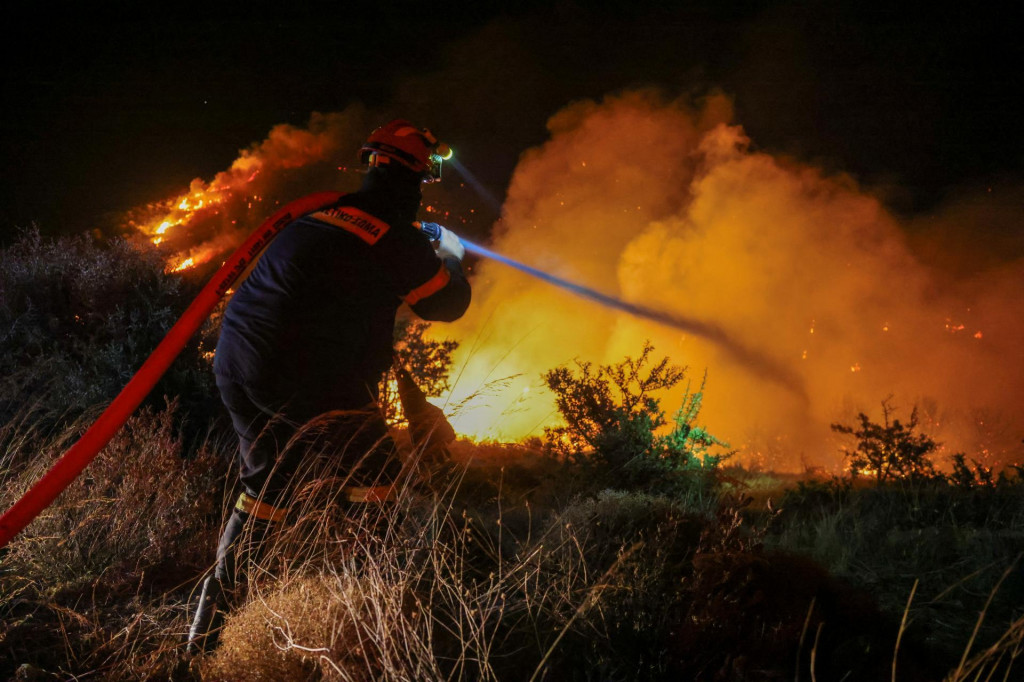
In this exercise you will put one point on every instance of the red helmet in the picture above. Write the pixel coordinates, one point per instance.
(415, 148)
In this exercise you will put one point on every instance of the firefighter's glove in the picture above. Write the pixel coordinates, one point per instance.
(449, 245)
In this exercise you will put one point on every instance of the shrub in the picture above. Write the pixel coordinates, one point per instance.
(621, 585)
(139, 506)
(889, 450)
(312, 627)
(616, 578)
(428, 361)
(954, 541)
(80, 317)
(612, 423)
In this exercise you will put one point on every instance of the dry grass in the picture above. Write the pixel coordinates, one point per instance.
(617, 586)
(482, 574)
(90, 584)
(139, 506)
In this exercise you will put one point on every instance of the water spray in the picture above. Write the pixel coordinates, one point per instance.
(756, 361)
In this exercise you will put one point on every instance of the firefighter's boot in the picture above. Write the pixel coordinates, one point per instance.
(209, 618)
(205, 630)
(429, 429)
(244, 532)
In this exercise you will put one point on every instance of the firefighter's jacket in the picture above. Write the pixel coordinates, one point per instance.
(318, 310)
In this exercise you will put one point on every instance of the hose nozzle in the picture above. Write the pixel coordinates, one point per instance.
(432, 230)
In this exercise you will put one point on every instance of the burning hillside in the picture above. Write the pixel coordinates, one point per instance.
(666, 204)
(212, 217)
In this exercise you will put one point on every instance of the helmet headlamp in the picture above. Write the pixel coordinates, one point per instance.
(440, 153)
(415, 148)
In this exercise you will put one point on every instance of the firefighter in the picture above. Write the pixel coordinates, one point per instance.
(311, 331)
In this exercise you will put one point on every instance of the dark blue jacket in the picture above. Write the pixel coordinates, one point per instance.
(317, 313)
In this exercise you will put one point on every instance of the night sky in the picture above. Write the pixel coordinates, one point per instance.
(109, 108)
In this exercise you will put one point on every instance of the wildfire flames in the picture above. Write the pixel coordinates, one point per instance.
(202, 202)
(211, 217)
(665, 204)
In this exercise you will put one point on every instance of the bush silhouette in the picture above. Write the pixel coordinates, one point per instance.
(612, 422)
(890, 449)
(80, 317)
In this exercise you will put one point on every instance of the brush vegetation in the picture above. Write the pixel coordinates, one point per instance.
(622, 546)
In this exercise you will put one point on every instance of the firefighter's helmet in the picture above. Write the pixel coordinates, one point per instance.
(401, 142)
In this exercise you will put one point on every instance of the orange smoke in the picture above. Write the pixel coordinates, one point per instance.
(665, 204)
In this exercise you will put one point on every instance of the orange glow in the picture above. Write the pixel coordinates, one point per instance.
(796, 262)
(673, 209)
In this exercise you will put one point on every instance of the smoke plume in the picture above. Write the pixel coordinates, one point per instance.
(665, 204)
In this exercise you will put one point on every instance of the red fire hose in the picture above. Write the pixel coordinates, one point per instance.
(71, 464)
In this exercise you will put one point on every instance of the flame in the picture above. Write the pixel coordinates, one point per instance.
(211, 217)
(166, 218)
(183, 265)
(867, 472)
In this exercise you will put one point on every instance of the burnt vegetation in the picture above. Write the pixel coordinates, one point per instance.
(624, 545)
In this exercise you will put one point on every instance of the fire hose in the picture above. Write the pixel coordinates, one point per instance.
(79, 455)
(74, 461)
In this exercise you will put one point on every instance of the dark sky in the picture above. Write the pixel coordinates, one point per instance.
(108, 108)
